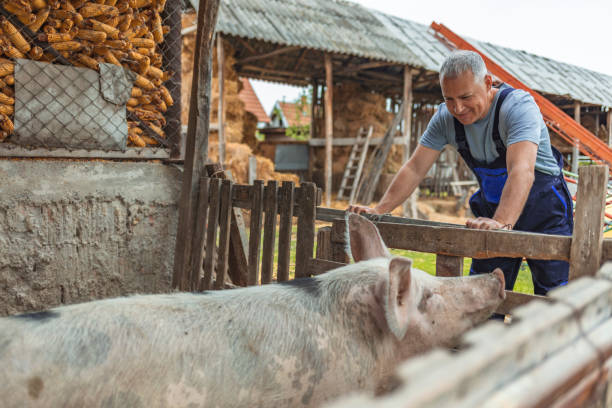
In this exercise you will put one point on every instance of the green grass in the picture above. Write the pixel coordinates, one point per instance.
(427, 263)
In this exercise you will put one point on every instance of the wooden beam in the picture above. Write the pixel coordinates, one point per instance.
(409, 207)
(367, 65)
(329, 127)
(575, 150)
(587, 239)
(221, 108)
(349, 141)
(196, 143)
(246, 45)
(274, 71)
(609, 125)
(300, 59)
(268, 54)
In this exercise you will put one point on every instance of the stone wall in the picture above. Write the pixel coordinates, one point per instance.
(74, 231)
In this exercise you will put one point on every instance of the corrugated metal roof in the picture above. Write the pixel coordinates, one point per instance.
(347, 28)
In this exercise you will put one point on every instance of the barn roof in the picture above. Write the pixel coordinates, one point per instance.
(342, 27)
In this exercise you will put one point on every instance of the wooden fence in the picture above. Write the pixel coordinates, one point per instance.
(221, 240)
(585, 250)
(554, 354)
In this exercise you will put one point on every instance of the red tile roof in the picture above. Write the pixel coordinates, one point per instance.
(251, 101)
(292, 113)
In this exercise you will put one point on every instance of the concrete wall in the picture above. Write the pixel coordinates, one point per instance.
(76, 231)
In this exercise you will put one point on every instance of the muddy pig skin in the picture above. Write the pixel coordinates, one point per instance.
(293, 344)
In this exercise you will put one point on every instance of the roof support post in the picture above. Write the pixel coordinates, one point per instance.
(329, 128)
(609, 124)
(410, 206)
(196, 144)
(221, 109)
(313, 129)
(575, 150)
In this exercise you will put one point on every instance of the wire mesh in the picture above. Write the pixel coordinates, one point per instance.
(67, 68)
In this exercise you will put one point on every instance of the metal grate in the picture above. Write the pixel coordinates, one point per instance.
(67, 68)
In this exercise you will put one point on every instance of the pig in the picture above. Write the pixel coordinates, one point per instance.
(293, 344)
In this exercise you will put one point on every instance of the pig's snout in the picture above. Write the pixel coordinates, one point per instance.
(502, 282)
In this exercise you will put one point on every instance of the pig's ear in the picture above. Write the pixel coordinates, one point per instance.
(398, 296)
(364, 241)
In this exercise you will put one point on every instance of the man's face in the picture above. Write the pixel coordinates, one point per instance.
(466, 99)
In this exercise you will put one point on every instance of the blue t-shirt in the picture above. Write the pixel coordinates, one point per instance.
(519, 120)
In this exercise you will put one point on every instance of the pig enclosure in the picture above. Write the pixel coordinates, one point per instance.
(570, 319)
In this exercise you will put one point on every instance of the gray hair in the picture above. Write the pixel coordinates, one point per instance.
(461, 61)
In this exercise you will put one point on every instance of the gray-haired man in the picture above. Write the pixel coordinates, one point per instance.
(500, 133)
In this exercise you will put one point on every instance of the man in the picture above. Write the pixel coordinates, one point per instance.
(500, 133)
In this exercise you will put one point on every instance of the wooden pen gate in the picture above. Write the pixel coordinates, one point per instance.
(249, 261)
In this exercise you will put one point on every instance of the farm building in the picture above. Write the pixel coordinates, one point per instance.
(368, 58)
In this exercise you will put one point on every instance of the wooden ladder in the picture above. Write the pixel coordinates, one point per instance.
(355, 163)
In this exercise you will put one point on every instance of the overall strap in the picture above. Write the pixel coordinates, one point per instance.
(499, 144)
(462, 145)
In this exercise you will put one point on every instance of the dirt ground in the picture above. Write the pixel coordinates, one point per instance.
(433, 208)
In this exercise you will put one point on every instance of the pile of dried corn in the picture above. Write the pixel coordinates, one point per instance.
(121, 32)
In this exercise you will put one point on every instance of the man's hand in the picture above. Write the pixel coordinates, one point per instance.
(362, 209)
(486, 224)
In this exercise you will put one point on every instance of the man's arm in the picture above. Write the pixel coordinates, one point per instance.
(520, 161)
(405, 181)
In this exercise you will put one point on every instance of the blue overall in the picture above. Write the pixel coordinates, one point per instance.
(548, 209)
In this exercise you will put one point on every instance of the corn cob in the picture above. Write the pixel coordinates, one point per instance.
(88, 61)
(142, 43)
(15, 36)
(165, 94)
(9, 79)
(9, 91)
(12, 52)
(7, 100)
(110, 58)
(144, 83)
(55, 38)
(67, 46)
(3, 135)
(95, 25)
(18, 8)
(38, 4)
(119, 44)
(6, 124)
(94, 10)
(41, 17)
(136, 92)
(35, 53)
(7, 68)
(7, 109)
(91, 35)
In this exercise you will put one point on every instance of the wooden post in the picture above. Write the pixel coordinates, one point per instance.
(284, 230)
(329, 128)
(609, 124)
(409, 206)
(324, 244)
(257, 191)
(586, 249)
(575, 150)
(225, 217)
(449, 265)
(271, 209)
(196, 146)
(313, 128)
(252, 170)
(221, 110)
(211, 234)
(305, 229)
(197, 255)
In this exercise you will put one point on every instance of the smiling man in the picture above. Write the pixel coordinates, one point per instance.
(500, 133)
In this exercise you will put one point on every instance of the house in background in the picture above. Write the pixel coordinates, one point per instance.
(290, 114)
(252, 103)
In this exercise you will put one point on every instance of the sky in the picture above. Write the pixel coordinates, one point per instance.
(572, 31)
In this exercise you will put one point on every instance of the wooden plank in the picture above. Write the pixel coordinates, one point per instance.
(409, 207)
(468, 242)
(588, 221)
(252, 170)
(324, 248)
(271, 209)
(257, 192)
(349, 141)
(329, 127)
(516, 299)
(211, 233)
(221, 101)
(320, 266)
(284, 234)
(237, 265)
(196, 149)
(449, 265)
(606, 250)
(225, 217)
(331, 214)
(241, 197)
(305, 230)
(197, 255)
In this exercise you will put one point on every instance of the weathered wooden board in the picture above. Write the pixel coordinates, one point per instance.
(214, 193)
(285, 208)
(305, 230)
(257, 192)
(449, 266)
(271, 210)
(225, 217)
(197, 255)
